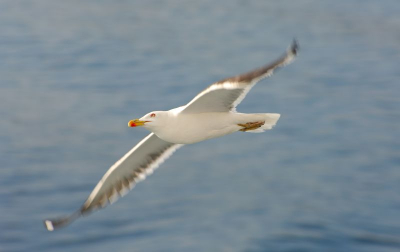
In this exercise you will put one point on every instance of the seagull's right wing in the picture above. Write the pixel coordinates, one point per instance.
(225, 95)
(140, 161)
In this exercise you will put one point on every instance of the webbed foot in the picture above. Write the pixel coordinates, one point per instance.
(251, 125)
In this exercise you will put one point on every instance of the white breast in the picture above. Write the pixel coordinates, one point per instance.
(192, 128)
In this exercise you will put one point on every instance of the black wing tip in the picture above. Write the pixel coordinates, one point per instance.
(50, 225)
(53, 224)
(294, 47)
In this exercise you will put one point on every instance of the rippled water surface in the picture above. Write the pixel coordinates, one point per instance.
(326, 178)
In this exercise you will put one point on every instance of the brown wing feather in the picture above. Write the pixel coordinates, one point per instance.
(226, 94)
(250, 76)
(121, 177)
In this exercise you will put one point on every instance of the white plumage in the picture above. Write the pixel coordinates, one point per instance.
(212, 113)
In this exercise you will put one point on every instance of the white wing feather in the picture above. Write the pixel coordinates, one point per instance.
(133, 167)
(225, 95)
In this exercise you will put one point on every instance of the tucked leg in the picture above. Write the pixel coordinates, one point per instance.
(251, 125)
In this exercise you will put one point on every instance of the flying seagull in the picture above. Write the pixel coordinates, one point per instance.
(212, 113)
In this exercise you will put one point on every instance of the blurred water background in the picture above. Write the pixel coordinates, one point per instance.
(326, 178)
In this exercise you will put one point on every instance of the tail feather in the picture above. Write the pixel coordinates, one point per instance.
(270, 120)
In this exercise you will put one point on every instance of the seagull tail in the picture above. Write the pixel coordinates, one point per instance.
(270, 119)
(53, 224)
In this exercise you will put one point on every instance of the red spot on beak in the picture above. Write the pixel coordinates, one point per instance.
(132, 124)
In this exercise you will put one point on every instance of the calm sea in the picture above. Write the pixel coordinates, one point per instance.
(326, 178)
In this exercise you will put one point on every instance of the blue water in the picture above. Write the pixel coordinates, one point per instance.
(326, 178)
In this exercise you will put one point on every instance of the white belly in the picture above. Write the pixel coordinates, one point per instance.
(192, 128)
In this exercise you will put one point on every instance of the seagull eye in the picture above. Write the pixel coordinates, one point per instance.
(153, 115)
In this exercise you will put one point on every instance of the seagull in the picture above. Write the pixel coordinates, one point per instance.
(210, 114)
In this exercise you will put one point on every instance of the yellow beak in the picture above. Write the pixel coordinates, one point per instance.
(136, 122)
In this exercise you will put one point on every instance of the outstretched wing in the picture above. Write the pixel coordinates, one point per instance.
(225, 95)
(139, 162)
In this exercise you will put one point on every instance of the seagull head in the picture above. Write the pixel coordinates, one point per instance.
(149, 120)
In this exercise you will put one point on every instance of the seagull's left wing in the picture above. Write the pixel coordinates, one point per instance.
(140, 161)
(225, 95)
